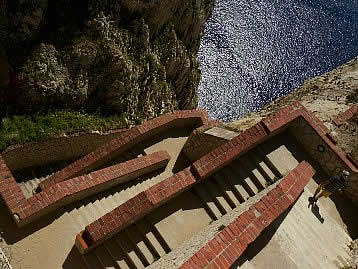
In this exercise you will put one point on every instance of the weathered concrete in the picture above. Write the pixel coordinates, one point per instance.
(299, 239)
(49, 243)
(283, 152)
(222, 133)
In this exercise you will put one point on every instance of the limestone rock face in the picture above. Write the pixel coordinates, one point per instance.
(137, 57)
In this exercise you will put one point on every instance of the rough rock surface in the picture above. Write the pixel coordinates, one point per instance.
(326, 96)
(353, 252)
(137, 57)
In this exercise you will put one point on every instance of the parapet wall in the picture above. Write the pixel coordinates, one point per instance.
(110, 150)
(54, 150)
(26, 210)
(346, 115)
(228, 245)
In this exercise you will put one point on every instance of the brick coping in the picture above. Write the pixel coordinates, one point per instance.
(12, 195)
(346, 115)
(99, 230)
(26, 210)
(228, 245)
(125, 141)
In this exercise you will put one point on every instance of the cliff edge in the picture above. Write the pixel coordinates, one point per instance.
(326, 96)
(132, 57)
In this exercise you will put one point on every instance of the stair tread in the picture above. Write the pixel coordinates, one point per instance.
(261, 170)
(248, 177)
(138, 239)
(92, 261)
(104, 257)
(227, 189)
(116, 254)
(145, 230)
(233, 179)
(209, 201)
(218, 195)
(122, 241)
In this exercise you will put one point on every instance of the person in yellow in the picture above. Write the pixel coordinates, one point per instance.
(330, 186)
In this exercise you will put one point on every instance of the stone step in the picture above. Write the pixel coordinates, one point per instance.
(265, 170)
(104, 257)
(92, 261)
(261, 153)
(122, 247)
(241, 176)
(138, 239)
(238, 189)
(227, 191)
(28, 186)
(144, 229)
(247, 169)
(157, 234)
(218, 195)
(127, 246)
(117, 254)
(204, 196)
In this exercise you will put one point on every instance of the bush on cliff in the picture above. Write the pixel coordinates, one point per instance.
(39, 127)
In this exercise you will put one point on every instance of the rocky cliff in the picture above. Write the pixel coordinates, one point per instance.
(326, 96)
(133, 57)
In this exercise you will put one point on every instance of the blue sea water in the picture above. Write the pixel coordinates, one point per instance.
(254, 51)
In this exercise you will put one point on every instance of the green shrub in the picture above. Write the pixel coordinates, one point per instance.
(39, 127)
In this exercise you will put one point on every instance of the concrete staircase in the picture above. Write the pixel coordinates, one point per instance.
(147, 240)
(28, 186)
(300, 240)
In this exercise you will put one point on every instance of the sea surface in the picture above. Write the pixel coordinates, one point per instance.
(254, 51)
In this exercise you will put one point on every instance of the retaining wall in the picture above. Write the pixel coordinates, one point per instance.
(69, 148)
(107, 152)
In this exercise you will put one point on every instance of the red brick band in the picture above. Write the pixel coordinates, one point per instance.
(10, 191)
(140, 205)
(227, 246)
(80, 187)
(346, 115)
(225, 153)
(204, 167)
(129, 138)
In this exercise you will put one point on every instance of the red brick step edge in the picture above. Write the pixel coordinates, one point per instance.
(26, 210)
(126, 140)
(227, 246)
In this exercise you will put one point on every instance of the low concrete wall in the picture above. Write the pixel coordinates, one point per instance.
(27, 210)
(113, 148)
(228, 245)
(54, 150)
(199, 143)
(330, 159)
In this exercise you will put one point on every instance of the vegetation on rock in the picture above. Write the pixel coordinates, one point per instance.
(40, 127)
(133, 57)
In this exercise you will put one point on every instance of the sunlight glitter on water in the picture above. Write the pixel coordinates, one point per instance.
(255, 51)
